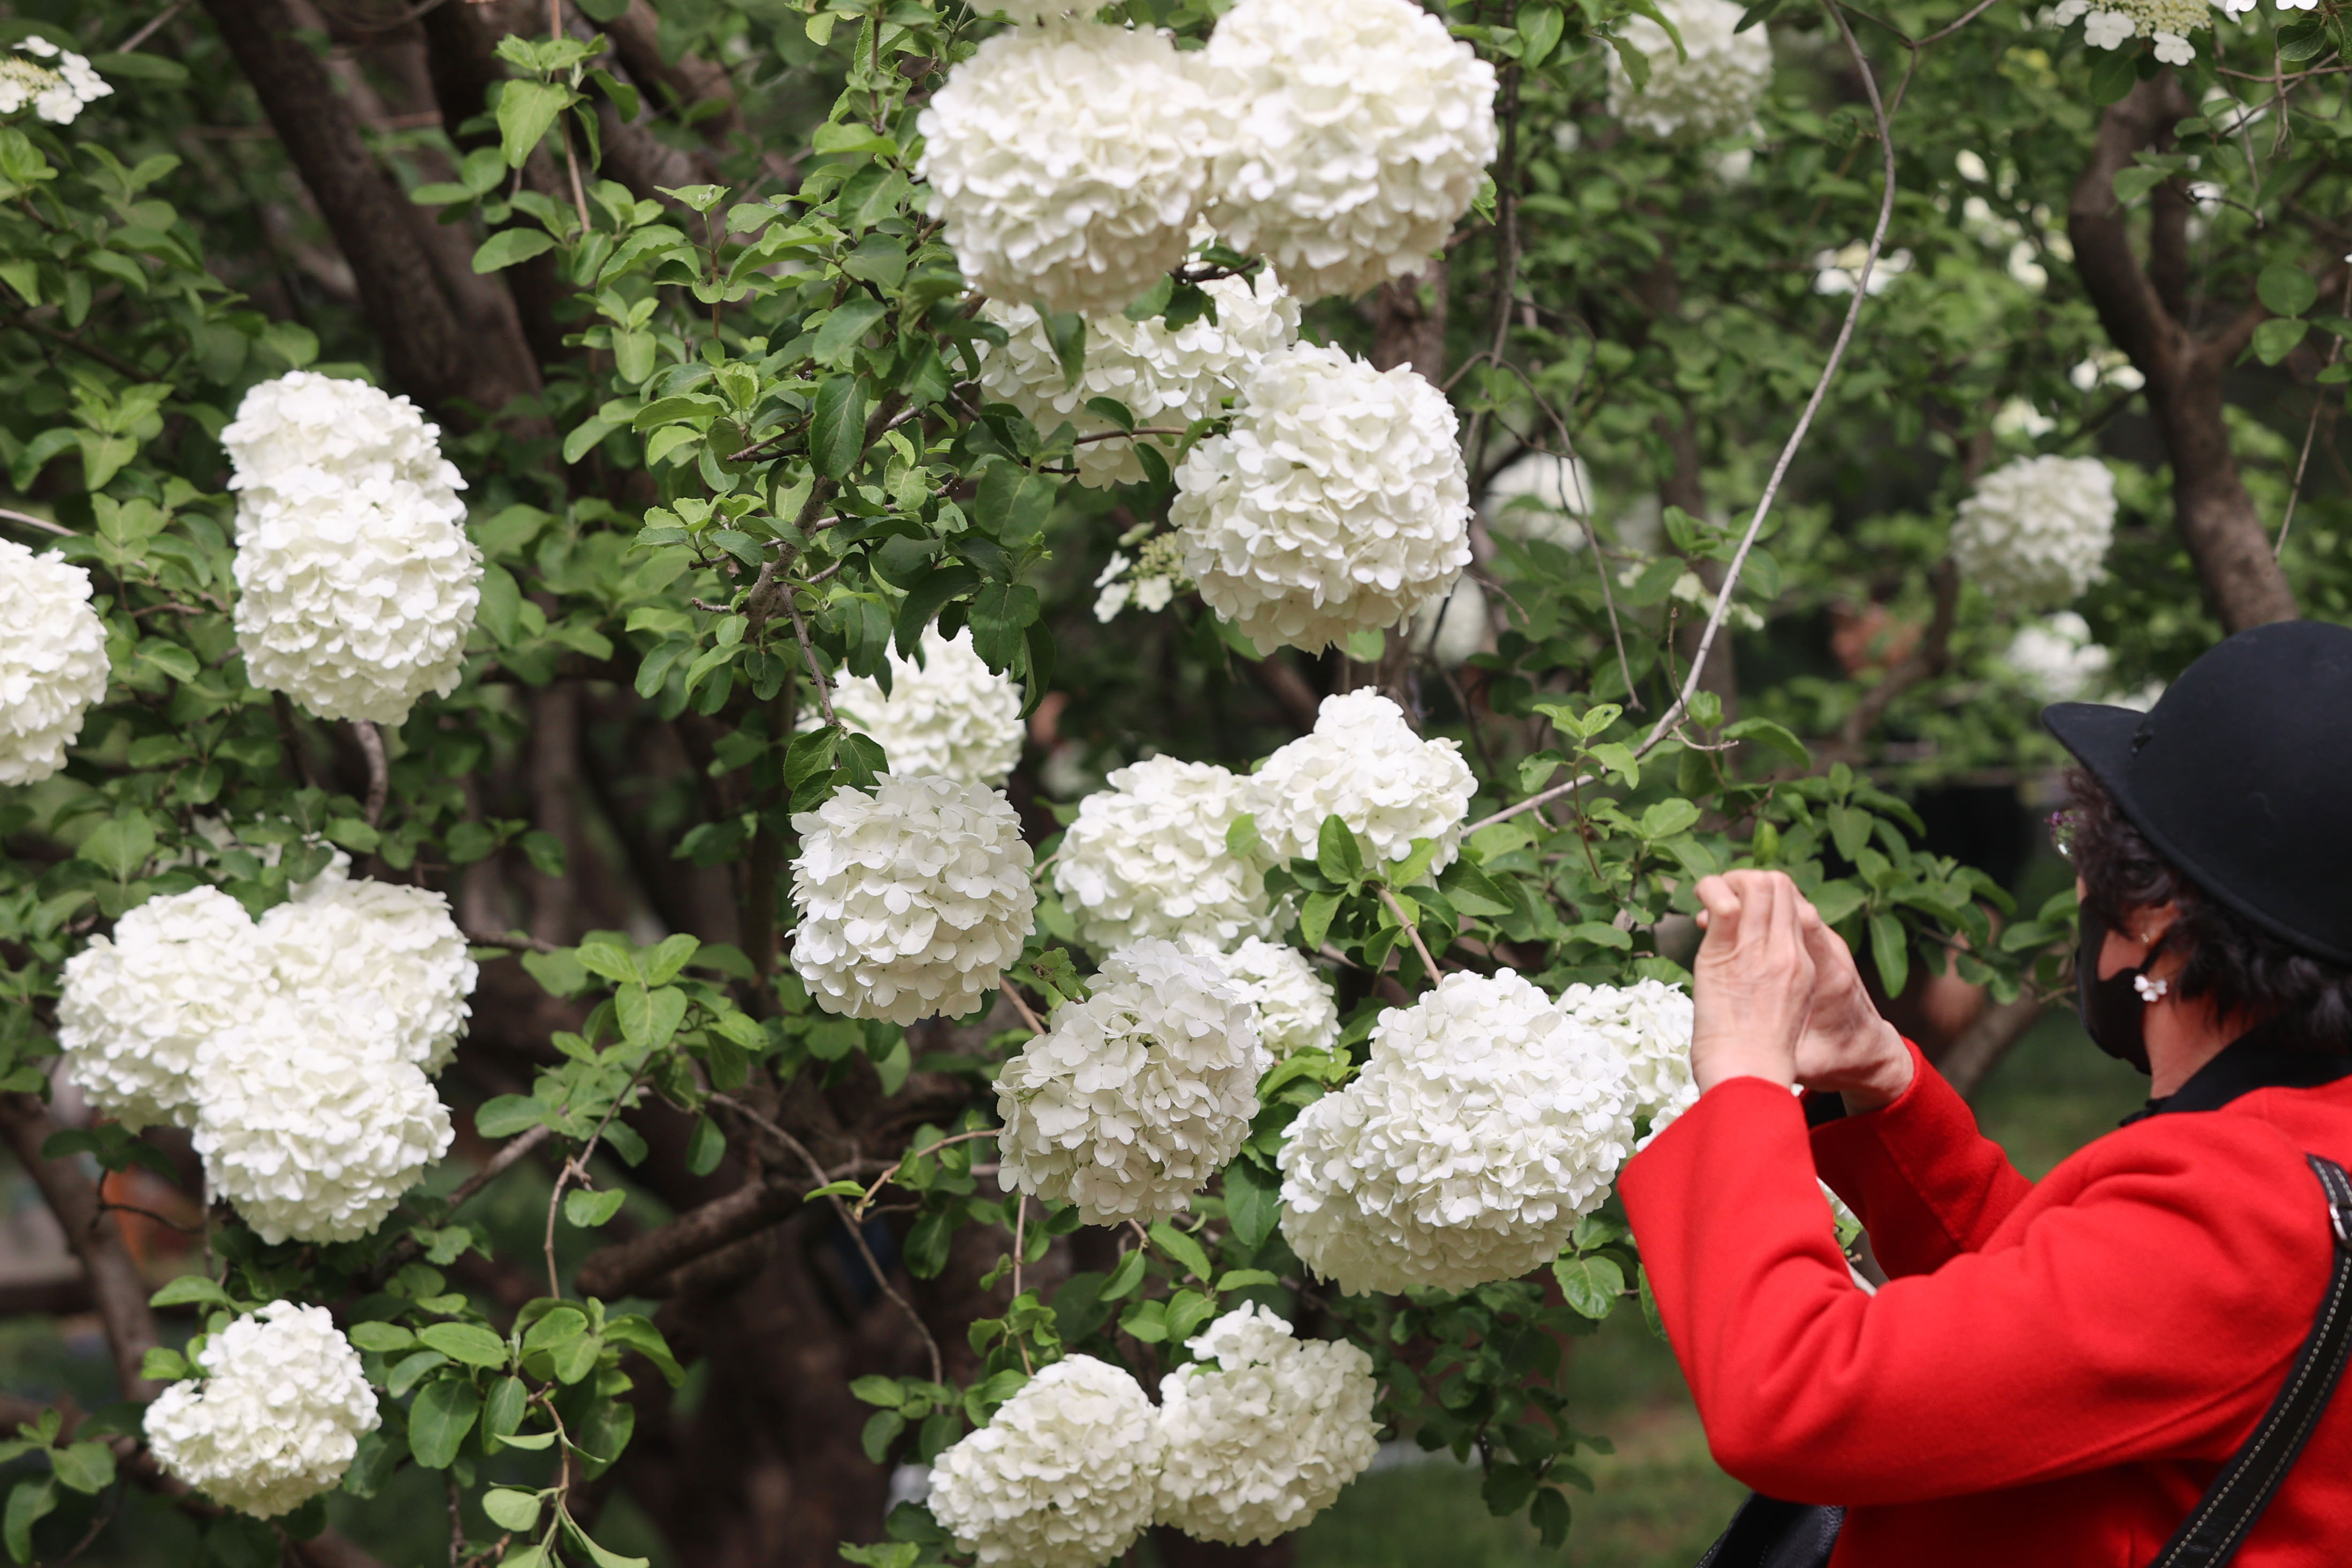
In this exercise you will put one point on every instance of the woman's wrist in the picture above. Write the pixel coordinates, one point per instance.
(1717, 1066)
(1885, 1081)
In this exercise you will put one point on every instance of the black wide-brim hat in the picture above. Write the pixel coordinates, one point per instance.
(2241, 776)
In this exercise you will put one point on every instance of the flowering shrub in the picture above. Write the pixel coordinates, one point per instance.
(616, 736)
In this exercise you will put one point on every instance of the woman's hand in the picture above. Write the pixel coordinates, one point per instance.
(1753, 979)
(1847, 1048)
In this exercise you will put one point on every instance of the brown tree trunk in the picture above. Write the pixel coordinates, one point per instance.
(115, 1287)
(2138, 305)
(429, 350)
(1408, 320)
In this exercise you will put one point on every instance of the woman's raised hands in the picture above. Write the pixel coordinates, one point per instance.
(1778, 998)
(1753, 978)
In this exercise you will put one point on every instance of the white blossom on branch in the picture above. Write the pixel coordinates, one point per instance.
(1262, 1429)
(1714, 92)
(913, 897)
(1149, 857)
(2035, 533)
(275, 1416)
(1068, 163)
(1061, 1477)
(951, 714)
(53, 662)
(1132, 1099)
(1364, 765)
(1360, 132)
(1485, 1124)
(1337, 503)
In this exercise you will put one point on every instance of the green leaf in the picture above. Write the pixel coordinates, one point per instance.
(1591, 1286)
(1778, 737)
(1253, 1203)
(561, 1326)
(2277, 337)
(602, 1557)
(590, 1210)
(28, 1506)
(526, 111)
(1001, 616)
(192, 1291)
(1013, 504)
(87, 1467)
(705, 1147)
(507, 246)
(882, 1391)
(1507, 1488)
(470, 1344)
(837, 427)
(1667, 818)
(1183, 1249)
(1125, 1276)
(1892, 951)
(384, 1338)
(437, 1423)
(846, 329)
(511, 1509)
(882, 1429)
(1336, 853)
(1315, 917)
(1245, 1278)
(1539, 28)
(507, 1115)
(160, 1364)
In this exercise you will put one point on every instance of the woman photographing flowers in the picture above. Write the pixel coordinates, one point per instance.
(2057, 1372)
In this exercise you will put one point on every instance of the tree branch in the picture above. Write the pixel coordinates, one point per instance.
(115, 1286)
(625, 1269)
(428, 351)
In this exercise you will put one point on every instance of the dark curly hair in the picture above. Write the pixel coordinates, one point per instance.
(2248, 973)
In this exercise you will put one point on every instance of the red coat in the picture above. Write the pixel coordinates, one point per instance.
(2054, 1373)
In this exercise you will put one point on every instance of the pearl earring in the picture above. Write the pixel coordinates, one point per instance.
(2149, 990)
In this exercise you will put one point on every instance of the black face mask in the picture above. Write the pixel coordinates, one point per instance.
(2112, 1010)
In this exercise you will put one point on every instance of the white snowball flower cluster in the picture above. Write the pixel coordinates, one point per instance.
(1295, 1007)
(1485, 1124)
(2057, 658)
(1148, 857)
(313, 1122)
(913, 897)
(1539, 495)
(1061, 1477)
(138, 1006)
(277, 1416)
(1066, 163)
(356, 581)
(2168, 23)
(1360, 131)
(57, 83)
(1167, 379)
(1649, 1022)
(53, 662)
(2036, 532)
(341, 938)
(1364, 765)
(1714, 93)
(1262, 1430)
(949, 716)
(1337, 503)
(1134, 1098)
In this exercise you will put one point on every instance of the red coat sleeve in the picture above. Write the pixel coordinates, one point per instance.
(1923, 1181)
(2152, 1315)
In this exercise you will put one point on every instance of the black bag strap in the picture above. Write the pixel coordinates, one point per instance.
(2218, 1526)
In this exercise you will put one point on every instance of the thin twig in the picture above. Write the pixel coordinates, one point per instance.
(856, 1232)
(1428, 964)
(379, 772)
(1673, 717)
(570, 158)
(884, 1179)
(498, 1165)
(1019, 1247)
(1022, 1007)
(130, 44)
(512, 939)
(42, 523)
(808, 651)
(2310, 434)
